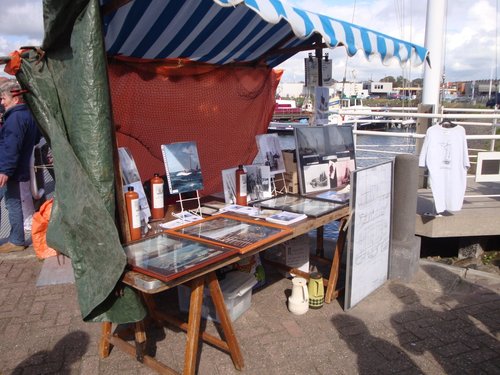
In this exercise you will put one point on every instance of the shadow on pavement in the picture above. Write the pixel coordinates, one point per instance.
(374, 355)
(458, 331)
(59, 360)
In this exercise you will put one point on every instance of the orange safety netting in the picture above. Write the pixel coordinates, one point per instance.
(39, 231)
(220, 108)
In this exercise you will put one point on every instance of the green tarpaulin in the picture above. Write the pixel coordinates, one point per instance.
(69, 97)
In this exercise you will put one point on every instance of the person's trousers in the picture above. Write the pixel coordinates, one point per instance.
(13, 204)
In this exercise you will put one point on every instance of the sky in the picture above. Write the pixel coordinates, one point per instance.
(470, 36)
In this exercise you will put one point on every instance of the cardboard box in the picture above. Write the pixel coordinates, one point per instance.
(290, 180)
(237, 290)
(293, 253)
(290, 161)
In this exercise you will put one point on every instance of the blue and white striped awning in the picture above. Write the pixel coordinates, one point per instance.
(237, 31)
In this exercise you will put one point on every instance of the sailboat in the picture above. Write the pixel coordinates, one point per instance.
(188, 172)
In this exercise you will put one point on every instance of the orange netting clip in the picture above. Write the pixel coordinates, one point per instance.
(13, 66)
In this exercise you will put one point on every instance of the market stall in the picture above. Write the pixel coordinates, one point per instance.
(140, 74)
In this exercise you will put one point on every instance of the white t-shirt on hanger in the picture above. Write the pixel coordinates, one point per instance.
(445, 154)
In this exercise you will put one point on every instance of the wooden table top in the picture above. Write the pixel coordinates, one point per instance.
(151, 285)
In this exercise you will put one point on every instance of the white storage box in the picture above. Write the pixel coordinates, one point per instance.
(236, 289)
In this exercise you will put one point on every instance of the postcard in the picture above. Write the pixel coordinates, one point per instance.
(286, 218)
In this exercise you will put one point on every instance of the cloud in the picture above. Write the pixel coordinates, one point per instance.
(470, 35)
(470, 38)
(22, 18)
(21, 24)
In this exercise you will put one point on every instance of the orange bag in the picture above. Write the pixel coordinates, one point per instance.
(39, 231)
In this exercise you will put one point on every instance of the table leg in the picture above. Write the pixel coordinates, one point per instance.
(104, 344)
(337, 255)
(320, 248)
(225, 321)
(193, 329)
(140, 341)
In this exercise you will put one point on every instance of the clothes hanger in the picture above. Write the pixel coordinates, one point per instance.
(447, 124)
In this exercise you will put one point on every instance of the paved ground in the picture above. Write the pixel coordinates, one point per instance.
(444, 322)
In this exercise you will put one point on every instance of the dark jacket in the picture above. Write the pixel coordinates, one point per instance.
(18, 135)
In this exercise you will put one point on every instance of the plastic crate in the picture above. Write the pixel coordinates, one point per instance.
(236, 289)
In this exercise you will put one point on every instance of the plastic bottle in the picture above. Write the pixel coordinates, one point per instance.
(133, 213)
(157, 205)
(241, 186)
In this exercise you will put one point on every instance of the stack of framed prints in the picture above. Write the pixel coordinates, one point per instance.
(166, 257)
(299, 204)
(325, 157)
(232, 232)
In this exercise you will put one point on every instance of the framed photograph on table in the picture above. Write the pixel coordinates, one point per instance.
(232, 232)
(299, 204)
(167, 257)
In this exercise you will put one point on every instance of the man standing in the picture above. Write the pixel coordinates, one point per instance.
(18, 136)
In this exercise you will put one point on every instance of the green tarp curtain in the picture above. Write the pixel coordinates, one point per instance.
(69, 97)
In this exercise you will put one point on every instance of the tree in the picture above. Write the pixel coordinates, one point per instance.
(418, 82)
(400, 82)
(388, 79)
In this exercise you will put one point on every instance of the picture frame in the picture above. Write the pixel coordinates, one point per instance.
(334, 195)
(488, 166)
(370, 231)
(312, 207)
(232, 232)
(325, 157)
(168, 257)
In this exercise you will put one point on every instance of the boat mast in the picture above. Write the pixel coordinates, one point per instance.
(434, 38)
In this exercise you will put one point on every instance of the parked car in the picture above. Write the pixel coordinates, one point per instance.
(492, 102)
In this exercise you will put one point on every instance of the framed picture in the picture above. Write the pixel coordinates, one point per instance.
(299, 204)
(488, 166)
(325, 157)
(233, 232)
(270, 152)
(338, 196)
(167, 257)
(370, 232)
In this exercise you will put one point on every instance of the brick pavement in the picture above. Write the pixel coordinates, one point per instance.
(443, 322)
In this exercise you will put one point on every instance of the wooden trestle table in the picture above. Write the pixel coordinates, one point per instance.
(148, 286)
